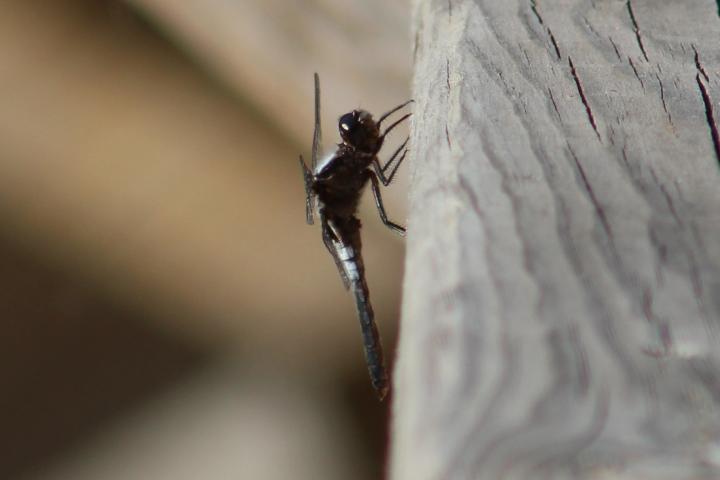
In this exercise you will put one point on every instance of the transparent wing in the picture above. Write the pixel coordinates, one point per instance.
(309, 196)
(317, 134)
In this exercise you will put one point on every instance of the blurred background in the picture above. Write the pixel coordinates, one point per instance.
(165, 311)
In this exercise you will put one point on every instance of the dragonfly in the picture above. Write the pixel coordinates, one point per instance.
(336, 183)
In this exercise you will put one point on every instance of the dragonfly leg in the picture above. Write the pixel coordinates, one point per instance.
(395, 124)
(387, 114)
(380, 171)
(381, 208)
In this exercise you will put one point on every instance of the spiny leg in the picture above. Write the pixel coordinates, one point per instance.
(387, 114)
(381, 208)
(395, 154)
(307, 176)
(380, 171)
(395, 124)
(317, 133)
(395, 169)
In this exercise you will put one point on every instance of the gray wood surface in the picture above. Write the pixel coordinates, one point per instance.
(561, 311)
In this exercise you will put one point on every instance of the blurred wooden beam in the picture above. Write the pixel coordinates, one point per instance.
(123, 164)
(71, 360)
(212, 426)
(267, 50)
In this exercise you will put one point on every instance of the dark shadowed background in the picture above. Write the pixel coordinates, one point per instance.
(165, 311)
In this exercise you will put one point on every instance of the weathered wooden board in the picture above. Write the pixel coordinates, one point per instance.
(561, 316)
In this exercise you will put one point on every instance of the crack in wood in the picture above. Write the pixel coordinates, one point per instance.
(662, 98)
(668, 198)
(615, 47)
(637, 75)
(636, 28)
(599, 210)
(590, 27)
(552, 40)
(583, 98)
(698, 65)
(447, 74)
(447, 83)
(554, 103)
(670, 204)
(709, 115)
(533, 7)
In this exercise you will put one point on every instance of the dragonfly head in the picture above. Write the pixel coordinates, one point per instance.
(359, 130)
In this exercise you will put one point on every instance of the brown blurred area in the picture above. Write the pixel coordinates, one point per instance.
(165, 311)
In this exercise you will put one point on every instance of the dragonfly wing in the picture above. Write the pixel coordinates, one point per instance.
(309, 195)
(317, 133)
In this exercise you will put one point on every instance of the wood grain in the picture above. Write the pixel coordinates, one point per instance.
(561, 312)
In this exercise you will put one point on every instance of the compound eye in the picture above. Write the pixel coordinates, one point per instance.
(347, 123)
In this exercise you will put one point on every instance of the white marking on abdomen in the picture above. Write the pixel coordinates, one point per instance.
(347, 256)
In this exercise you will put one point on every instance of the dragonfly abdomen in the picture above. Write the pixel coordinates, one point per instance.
(351, 262)
(372, 344)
